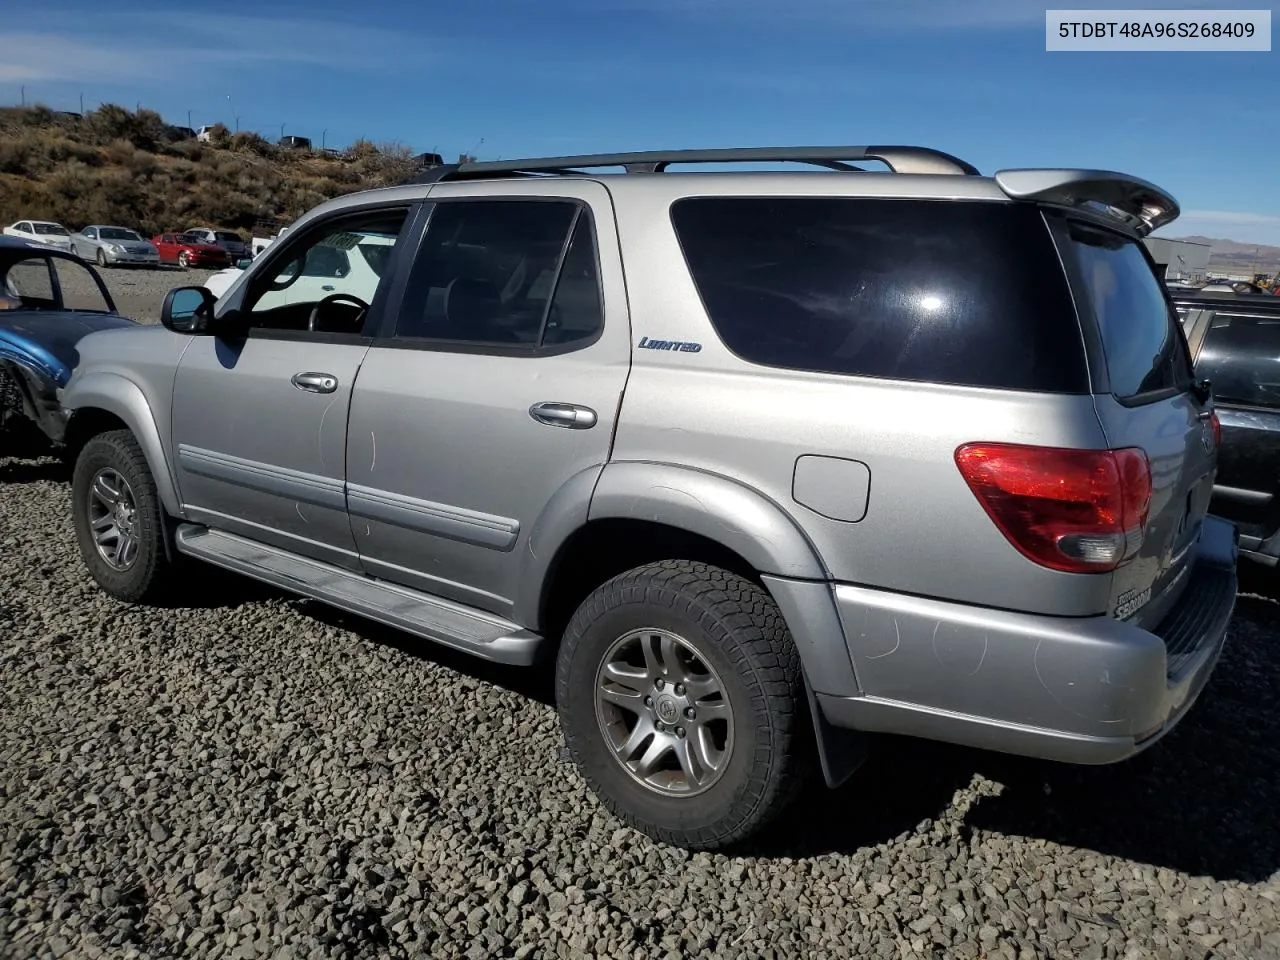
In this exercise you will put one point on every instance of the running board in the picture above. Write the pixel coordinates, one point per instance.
(421, 614)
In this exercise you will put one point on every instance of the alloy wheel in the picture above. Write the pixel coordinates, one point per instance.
(113, 519)
(663, 711)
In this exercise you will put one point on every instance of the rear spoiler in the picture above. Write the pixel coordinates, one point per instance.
(1140, 205)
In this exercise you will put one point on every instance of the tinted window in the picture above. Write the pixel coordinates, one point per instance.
(326, 261)
(118, 233)
(1141, 338)
(1241, 356)
(965, 293)
(499, 272)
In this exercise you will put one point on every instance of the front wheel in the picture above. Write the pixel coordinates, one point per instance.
(184, 261)
(118, 518)
(682, 702)
(102, 257)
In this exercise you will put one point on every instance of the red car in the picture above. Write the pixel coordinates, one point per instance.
(188, 252)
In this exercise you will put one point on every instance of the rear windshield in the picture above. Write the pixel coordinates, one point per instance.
(233, 237)
(1142, 339)
(967, 293)
(1241, 359)
(51, 230)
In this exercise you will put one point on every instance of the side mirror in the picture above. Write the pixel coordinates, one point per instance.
(188, 309)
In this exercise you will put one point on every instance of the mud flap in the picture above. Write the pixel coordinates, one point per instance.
(840, 751)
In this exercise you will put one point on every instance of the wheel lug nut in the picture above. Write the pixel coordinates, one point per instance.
(689, 714)
(680, 732)
(657, 684)
(648, 701)
(679, 689)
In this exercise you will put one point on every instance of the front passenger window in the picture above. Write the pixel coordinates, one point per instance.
(325, 280)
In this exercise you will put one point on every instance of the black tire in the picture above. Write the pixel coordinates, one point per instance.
(101, 258)
(147, 575)
(736, 630)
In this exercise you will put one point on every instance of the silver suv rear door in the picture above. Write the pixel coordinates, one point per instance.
(485, 409)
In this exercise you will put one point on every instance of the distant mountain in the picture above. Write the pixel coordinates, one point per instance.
(1231, 256)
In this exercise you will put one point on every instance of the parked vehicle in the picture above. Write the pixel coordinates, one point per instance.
(325, 269)
(41, 321)
(188, 252)
(917, 452)
(228, 240)
(46, 232)
(109, 246)
(1235, 341)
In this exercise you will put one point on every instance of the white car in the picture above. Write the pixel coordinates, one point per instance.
(359, 262)
(41, 231)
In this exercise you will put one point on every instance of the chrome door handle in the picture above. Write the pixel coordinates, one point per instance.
(563, 415)
(315, 382)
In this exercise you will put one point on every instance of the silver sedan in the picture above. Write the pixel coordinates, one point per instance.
(109, 246)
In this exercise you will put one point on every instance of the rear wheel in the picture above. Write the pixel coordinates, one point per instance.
(118, 519)
(680, 695)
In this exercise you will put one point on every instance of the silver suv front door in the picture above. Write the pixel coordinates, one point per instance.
(260, 421)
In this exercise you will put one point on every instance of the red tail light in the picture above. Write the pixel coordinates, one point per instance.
(1080, 511)
(1216, 426)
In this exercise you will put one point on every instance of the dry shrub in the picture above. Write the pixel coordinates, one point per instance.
(126, 168)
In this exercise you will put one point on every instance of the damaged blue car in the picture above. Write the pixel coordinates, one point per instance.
(49, 300)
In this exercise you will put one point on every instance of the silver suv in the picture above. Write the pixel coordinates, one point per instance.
(763, 461)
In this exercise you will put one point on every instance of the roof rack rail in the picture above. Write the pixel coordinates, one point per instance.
(899, 159)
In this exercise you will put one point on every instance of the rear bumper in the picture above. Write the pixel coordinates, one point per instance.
(1088, 690)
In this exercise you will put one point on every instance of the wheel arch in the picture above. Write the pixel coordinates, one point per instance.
(645, 512)
(105, 401)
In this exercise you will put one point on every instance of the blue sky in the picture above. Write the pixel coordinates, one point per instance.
(506, 78)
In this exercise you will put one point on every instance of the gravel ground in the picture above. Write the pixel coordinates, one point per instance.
(137, 291)
(241, 774)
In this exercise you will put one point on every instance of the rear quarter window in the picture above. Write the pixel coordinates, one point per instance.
(966, 293)
(1240, 356)
(1142, 339)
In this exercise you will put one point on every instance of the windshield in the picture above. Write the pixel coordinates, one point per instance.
(117, 233)
(51, 229)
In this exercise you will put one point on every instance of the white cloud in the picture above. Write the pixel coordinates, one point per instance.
(848, 14)
(45, 57)
(131, 47)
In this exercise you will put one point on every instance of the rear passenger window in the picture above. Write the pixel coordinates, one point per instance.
(505, 273)
(1241, 358)
(1141, 338)
(968, 293)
